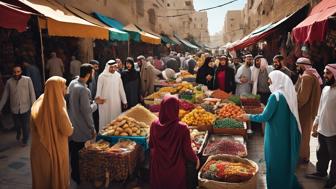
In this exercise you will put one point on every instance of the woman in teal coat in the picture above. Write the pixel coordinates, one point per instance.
(282, 133)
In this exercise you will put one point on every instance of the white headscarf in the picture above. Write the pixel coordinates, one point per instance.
(281, 83)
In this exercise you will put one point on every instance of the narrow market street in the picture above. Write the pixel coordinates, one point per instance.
(15, 165)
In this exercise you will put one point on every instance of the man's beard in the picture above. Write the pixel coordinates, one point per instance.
(328, 82)
(257, 66)
(17, 77)
(277, 67)
(300, 71)
(248, 63)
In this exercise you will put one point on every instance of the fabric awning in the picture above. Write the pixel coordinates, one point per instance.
(186, 43)
(114, 34)
(175, 40)
(14, 16)
(61, 22)
(138, 35)
(314, 27)
(167, 40)
(268, 29)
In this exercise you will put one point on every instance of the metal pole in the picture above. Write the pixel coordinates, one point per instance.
(128, 47)
(42, 52)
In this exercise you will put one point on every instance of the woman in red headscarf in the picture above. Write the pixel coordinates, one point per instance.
(170, 148)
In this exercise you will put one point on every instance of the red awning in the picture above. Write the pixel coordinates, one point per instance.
(314, 27)
(14, 16)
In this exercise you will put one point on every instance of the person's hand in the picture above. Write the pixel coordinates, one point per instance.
(198, 164)
(99, 100)
(125, 106)
(208, 77)
(243, 117)
(314, 132)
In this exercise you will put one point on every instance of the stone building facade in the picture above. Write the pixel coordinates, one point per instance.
(233, 26)
(158, 16)
(257, 13)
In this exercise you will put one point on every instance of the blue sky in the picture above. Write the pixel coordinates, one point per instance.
(216, 16)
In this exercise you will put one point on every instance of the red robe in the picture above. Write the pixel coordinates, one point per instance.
(170, 148)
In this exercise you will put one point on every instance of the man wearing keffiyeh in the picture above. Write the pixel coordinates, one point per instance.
(325, 130)
(308, 94)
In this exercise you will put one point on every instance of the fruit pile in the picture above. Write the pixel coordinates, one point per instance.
(225, 171)
(184, 86)
(185, 105)
(230, 111)
(182, 113)
(154, 95)
(208, 107)
(220, 94)
(168, 90)
(199, 117)
(228, 123)
(197, 139)
(225, 146)
(125, 126)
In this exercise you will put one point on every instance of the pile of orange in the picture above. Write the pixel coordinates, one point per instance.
(230, 111)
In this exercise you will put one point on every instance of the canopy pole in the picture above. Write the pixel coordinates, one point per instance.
(128, 47)
(42, 52)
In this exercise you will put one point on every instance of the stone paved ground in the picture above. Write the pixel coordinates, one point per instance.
(15, 165)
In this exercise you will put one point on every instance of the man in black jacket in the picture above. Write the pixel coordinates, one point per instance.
(224, 76)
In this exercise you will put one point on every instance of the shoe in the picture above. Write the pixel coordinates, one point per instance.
(249, 131)
(317, 175)
(330, 184)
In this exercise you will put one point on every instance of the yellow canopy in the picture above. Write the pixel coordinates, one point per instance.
(61, 22)
(144, 36)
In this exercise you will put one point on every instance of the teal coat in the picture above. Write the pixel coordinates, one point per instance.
(281, 143)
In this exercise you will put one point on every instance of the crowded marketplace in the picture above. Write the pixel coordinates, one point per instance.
(142, 94)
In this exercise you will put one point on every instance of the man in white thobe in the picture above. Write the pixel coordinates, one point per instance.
(110, 88)
(243, 77)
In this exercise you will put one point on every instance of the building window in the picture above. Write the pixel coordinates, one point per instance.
(168, 5)
(188, 3)
(140, 7)
(151, 16)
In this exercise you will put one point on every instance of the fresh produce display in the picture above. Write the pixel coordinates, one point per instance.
(199, 117)
(228, 123)
(182, 113)
(168, 90)
(208, 107)
(184, 86)
(250, 96)
(218, 145)
(185, 105)
(225, 171)
(101, 145)
(126, 126)
(235, 99)
(197, 139)
(220, 94)
(187, 95)
(230, 111)
(154, 95)
(253, 109)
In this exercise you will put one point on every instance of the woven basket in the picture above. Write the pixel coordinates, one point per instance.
(101, 166)
(211, 184)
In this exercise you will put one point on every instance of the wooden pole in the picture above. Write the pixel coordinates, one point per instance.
(42, 53)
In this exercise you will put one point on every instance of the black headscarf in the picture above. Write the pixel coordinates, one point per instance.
(129, 74)
(203, 71)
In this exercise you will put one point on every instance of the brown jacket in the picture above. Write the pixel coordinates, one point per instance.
(147, 76)
(308, 94)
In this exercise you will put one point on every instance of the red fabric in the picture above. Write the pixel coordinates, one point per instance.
(221, 80)
(170, 148)
(13, 18)
(314, 27)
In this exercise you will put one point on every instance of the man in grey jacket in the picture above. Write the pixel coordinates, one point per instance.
(80, 110)
(20, 90)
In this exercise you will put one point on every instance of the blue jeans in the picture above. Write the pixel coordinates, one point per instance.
(21, 123)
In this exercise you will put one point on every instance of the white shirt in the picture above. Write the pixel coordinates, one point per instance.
(326, 118)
